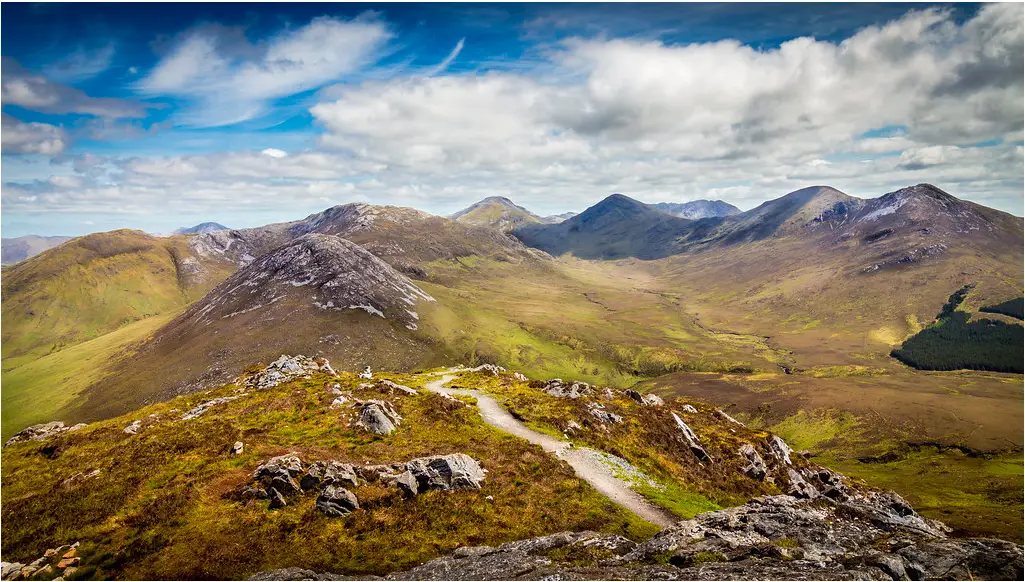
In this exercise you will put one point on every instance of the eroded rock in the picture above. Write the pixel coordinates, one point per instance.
(336, 501)
(692, 440)
(378, 416)
(556, 387)
(446, 472)
(755, 468)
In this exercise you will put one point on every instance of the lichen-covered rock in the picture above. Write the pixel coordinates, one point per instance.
(604, 416)
(336, 501)
(277, 500)
(556, 387)
(39, 432)
(324, 473)
(493, 369)
(406, 483)
(722, 414)
(799, 487)
(689, 409)
(755, 467)
(237, 448)
(692, 440)
(399, 387)
(520, 377)
(280, 472)
(378, 416)
(446, 472)
(780, 449)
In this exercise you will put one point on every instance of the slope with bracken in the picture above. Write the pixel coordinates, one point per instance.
(317, 293)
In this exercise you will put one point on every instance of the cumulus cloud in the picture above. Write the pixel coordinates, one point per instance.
(18, 137)
(33, 91)
(232, 81)
(651, 120)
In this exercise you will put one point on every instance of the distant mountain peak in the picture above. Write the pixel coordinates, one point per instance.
(200, 228)
(322, 270)
(496, 212)
(698, 209)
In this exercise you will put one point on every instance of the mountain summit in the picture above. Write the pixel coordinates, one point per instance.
(318, 292)
(497, 212)
(696, 209)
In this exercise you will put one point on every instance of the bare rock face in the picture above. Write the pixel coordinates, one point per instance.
(780, 449)
(321, 270)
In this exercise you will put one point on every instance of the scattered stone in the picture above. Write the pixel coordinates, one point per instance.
(446, 472)
(66, 562)
(604, 416)
(780, 449)
(72, 481)
(520, 377)
(236, 449)
(689, 409)
(378, 416)
(339, 402)
(204, 406)
(284, 369)
(252, 493)
(281, 469)
(335, 501)
(324, 473)
(556, 387)
(692, 440)
(366, 374)
(8, 568)
(133, 428)
(645, 399)
(495, 370)
(335, 390)
(399, 387)
(285, 485)
(755, 468)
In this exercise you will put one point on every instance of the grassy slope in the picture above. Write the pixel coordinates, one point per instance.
(159, 499)
(83, 289)
(34, 392)
(575, 319)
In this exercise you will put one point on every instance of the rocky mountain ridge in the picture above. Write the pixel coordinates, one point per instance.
(696, 209)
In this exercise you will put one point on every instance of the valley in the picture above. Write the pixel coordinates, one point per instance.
(782, 318)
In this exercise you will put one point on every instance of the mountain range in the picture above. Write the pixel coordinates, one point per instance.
(784, 315)
(20, 248)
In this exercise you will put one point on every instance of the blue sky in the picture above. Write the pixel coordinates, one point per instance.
(155, 116)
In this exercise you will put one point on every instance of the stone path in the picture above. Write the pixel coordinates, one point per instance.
(587, 463)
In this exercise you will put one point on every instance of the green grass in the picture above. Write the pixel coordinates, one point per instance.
(806, 431)
(162, 498)
(34, 392)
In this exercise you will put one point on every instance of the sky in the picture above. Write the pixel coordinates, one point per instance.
(157, 116)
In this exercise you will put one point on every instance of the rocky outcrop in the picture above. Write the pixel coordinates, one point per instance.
(689, 409)
(202, 407)
(378, 416)
(604, 416)
(446, 473)
(755, 467)
(284, 369)
(780, 449)
(776, 538)
(692, 440)
(38, 432)
(556, 387)
(284, 477)
(54, 564)
(399, 387)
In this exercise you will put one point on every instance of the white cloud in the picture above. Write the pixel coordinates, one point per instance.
(657, 122)
(31, 91)
(18, 137)
(440, 67)
(232, 83)
(81, 64)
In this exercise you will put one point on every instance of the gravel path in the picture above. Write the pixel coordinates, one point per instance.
(585, 462)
